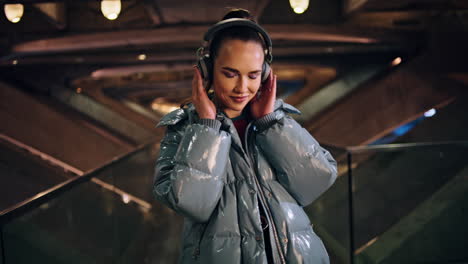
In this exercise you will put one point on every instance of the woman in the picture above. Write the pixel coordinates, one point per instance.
(237, 166)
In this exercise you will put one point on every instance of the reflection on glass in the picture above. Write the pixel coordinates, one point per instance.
(404, 203)
(92, 223)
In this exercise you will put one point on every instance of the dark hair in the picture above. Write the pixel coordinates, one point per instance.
(240, 32)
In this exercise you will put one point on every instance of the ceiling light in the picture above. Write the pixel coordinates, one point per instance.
(14, 12)
(396, 61)
(111, 8)
(299, 6)
(430, 113)
(125, 198)
(142, 57)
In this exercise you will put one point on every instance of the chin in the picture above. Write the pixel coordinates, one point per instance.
(237, 108)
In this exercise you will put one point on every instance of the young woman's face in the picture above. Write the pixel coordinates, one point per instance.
(237, 74)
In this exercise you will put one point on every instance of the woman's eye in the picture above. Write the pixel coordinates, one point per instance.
(253, 76)
(229, 74)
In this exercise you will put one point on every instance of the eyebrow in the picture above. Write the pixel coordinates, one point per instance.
(236, 71)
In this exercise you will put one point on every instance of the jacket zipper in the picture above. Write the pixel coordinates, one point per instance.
(262, 197)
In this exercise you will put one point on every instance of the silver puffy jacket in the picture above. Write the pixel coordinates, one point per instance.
(204, 173)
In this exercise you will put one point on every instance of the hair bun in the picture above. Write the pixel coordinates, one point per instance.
(239, 13)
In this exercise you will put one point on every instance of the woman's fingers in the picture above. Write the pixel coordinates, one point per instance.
(200, 89)
(194, 83)
(264, 104)
(269, 92)
(270, 80)
(197, 84)
(205, 108)
(272, 92)
(273, 86)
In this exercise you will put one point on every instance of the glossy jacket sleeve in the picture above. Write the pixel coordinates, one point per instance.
(191, 169)
(303, 167)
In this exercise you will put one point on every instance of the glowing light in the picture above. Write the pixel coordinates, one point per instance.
(430, 113)
(111, 8)
(125, 198)
(14, 62)
(142, 57)
(144, 209)
(14, 12)
(299, 6)
(78, 90)
(162, 106)
(396, 61)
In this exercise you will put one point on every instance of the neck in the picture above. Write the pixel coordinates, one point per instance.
(232, 113)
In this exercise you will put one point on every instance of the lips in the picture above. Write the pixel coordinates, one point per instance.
(239, 99)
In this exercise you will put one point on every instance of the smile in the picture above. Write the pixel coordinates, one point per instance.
(239, 99)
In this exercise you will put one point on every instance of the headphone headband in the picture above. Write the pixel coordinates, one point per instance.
(205, 62)
(232, 22)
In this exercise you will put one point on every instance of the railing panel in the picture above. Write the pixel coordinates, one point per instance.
(400, 199)
(329, 214)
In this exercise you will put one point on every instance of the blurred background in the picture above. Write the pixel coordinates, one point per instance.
(381, 84)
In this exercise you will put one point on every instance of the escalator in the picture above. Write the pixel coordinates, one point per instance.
(409, 206)
(397, 203)
(404, 199)
(25, 174)
(95, 223)
(61, 206)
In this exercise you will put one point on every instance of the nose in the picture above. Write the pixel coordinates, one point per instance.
(241, 86)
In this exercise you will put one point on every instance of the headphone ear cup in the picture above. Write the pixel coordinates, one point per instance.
(205, 66)
(265, 71)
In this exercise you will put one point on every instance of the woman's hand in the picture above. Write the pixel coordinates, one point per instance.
(263, 103)
(204, 106)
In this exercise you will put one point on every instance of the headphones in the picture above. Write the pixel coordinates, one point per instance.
(205, 62)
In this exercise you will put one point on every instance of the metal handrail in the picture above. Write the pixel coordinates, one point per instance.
(407, 146)
(23, 207)
(349, 151)
(398, 146)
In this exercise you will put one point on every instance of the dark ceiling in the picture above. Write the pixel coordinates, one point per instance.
(58, 44)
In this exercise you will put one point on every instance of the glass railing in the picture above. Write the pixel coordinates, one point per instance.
(108, 218)
(2, 249)
(329, 214)
(24, 173)
(405, 203)
(397, 203)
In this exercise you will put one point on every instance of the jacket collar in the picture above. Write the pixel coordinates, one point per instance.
(190, 113)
